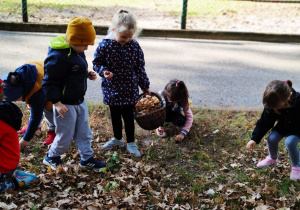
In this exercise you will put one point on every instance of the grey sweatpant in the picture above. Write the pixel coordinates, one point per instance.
(48, 115)
(74, 125)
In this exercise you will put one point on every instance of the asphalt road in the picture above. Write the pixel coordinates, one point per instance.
(218, 74)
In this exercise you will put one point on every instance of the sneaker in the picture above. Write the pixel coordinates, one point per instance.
(52, 161)
(92, 163)
(24, 178)
(133, 149)
(113, 142)
(295, 175)
(50, 138)
(266, 162)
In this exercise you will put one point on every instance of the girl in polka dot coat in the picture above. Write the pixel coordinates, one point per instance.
(119, 60)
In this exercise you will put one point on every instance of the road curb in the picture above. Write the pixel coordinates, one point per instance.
(167, 33)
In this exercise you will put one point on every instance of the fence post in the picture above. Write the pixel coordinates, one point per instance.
(24, 11)
(183, 13)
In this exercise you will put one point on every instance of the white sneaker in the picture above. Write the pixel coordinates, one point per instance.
(133, 149)
(113, 142)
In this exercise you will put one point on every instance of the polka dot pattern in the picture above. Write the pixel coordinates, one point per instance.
(128, 66)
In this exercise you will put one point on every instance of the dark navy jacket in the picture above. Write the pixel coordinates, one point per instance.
(65, 77)
(288, 121)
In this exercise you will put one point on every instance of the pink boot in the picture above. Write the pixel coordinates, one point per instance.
(295, 175)
(266, 162)
(50, 138)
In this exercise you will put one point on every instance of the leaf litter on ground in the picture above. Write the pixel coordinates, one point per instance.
(206, 170)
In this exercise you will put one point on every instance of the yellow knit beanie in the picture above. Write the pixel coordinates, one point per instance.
(80, 31)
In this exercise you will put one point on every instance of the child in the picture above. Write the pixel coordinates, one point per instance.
(10, 122)
(48, 116)
(176, 96)
(65, 84)
(25, 84)
(282, 104)
(119, 60)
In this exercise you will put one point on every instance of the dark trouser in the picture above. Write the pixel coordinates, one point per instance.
(7, 181)
(127, 112)
(176, 118)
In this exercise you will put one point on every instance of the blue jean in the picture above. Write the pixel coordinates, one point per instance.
(290, 143)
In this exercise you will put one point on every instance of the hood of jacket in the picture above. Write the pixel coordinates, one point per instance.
(28, 76)
(11, 114)
(110, 36)
(295, 99)
(293, 102)
(58, 43)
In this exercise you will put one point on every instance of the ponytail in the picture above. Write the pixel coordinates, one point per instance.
(176, 90)
(289, 82)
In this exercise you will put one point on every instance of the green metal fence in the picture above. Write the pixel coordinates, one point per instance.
(254, 16)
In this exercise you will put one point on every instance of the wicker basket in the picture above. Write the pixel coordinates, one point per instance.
(154, 119)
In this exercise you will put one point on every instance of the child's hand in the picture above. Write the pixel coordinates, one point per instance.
(92, 75)
(23, 144)
(108, 75)
(147, 92)
(251, 145)
(61, 109)
(179, 137)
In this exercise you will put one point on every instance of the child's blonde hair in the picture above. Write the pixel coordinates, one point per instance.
(1, 92)
(277, 91)
(123, 20)
(176, 91)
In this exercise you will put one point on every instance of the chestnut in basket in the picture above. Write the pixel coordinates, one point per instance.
(147, 105)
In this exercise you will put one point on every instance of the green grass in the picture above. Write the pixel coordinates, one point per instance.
(34, 207)
(286, 185)
(152, 154)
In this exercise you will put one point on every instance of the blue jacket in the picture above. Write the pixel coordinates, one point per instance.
(128, 66)
(288, 121)
(66, 72)
(36, 101)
